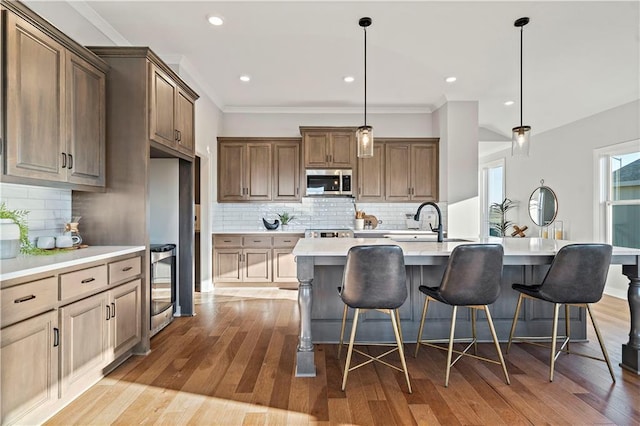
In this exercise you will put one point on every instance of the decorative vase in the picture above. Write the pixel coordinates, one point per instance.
(284, 226)
(9, 239)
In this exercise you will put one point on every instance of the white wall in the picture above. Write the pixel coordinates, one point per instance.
(563, 157)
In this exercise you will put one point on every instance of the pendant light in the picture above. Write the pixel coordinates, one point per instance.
(520, 139)
(364, 133)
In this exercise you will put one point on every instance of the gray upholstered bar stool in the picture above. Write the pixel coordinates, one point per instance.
(576, 277)
(471, 279)
(374, 278)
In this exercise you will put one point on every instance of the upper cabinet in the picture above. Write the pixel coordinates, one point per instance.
(329, 147)
(54, 127)
(172, 113)
(402, 170)
(256, 169)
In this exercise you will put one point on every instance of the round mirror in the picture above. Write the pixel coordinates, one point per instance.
(543, 206)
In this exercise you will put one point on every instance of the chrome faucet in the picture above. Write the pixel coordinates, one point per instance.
(438, 228)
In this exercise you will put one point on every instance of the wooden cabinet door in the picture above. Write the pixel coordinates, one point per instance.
(398, 173)
(226, 265)
(342, 152)
(286, 171)
(316, 149)
(231, 171)
(162, 104)
(185, 123)
(256, 265)
(29, 376)
(85, 340)
(35, 124)
(125, 321)
(85, 89)
(258, 172)
(371, 178)
(424, 172)
(284, 265)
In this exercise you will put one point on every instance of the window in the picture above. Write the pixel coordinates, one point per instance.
(618, 216)
(493, 190)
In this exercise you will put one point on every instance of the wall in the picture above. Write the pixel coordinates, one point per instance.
(163, 201)
(323, 212)
(563, 157)
(49, 208)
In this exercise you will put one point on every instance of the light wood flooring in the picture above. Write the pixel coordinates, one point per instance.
(233, 363)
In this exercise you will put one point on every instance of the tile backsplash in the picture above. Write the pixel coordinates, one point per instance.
(49, 208)
(316, 213)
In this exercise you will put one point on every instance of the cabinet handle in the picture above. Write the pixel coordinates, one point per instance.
(287, 241)
(128, 268)
(297, 191)
(179, 136)
(113, 308)
(70, 161)
(64, 160)
(257, 241)
(108, 312)
(175, 135)
(87, 280)
(56, 336)
(25, 298)
(226, 241)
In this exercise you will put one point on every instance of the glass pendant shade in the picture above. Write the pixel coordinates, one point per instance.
(365, 141)
(520, 141)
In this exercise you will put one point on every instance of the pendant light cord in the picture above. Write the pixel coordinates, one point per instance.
(365, 76)
(521, 100)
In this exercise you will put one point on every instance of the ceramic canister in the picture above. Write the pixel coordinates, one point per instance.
(9, 239)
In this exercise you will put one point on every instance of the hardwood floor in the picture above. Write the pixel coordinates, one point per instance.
(233, 363)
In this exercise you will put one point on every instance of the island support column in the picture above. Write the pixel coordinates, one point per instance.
(631, 350)
(305, 359)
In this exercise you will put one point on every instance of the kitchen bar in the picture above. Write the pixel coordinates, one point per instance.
(526, 260)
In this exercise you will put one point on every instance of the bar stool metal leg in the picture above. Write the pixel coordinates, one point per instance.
(473, 330)
(497, 344)
(450, 349)
(397, 332)
(515, 321)
(424, 315)
(602, 347)
(554, 337)
(344, 321)
(567, 325)
(350, 351)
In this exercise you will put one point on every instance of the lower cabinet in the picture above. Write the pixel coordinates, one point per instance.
(125, 318)
(254, 259)
(29, 378)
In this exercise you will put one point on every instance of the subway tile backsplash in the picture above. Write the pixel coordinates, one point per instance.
(49, 208)
(316, 213)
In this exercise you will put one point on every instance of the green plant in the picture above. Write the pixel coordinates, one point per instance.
(498, 222)
(19, 217)
(285, 218)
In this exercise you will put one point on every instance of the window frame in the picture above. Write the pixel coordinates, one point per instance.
(484, 191)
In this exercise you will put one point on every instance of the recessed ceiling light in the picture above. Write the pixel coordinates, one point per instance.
(509, 103)
(245, 78)
(215, 20)
(349, 79)
(450, 79)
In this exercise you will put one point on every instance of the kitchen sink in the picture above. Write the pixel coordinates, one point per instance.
(421, 237)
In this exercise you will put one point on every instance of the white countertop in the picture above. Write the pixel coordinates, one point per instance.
(24, 265)
(260, 231)
(512, 246)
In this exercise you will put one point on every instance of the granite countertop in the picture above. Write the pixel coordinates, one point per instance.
(24, 265)
(512, 246)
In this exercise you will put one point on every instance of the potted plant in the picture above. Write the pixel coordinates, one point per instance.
(498, 223)
(285, 218)
(14, 232)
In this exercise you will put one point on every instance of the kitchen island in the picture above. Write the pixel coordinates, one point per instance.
(320, 263)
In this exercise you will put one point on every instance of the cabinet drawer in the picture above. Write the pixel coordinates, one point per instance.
(128, 268)
(28, 299)
(85, 281)
(256, 241)
(285, 241)
(227, 241)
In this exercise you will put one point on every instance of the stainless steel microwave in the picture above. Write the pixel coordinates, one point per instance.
(329, 182)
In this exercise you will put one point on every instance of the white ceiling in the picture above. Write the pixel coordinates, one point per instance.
(580, 57)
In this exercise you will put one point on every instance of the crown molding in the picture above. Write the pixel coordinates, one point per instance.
(325, 110)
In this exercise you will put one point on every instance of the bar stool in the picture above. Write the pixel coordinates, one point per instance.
(576, 277)
(374, 278)
(471, 279)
